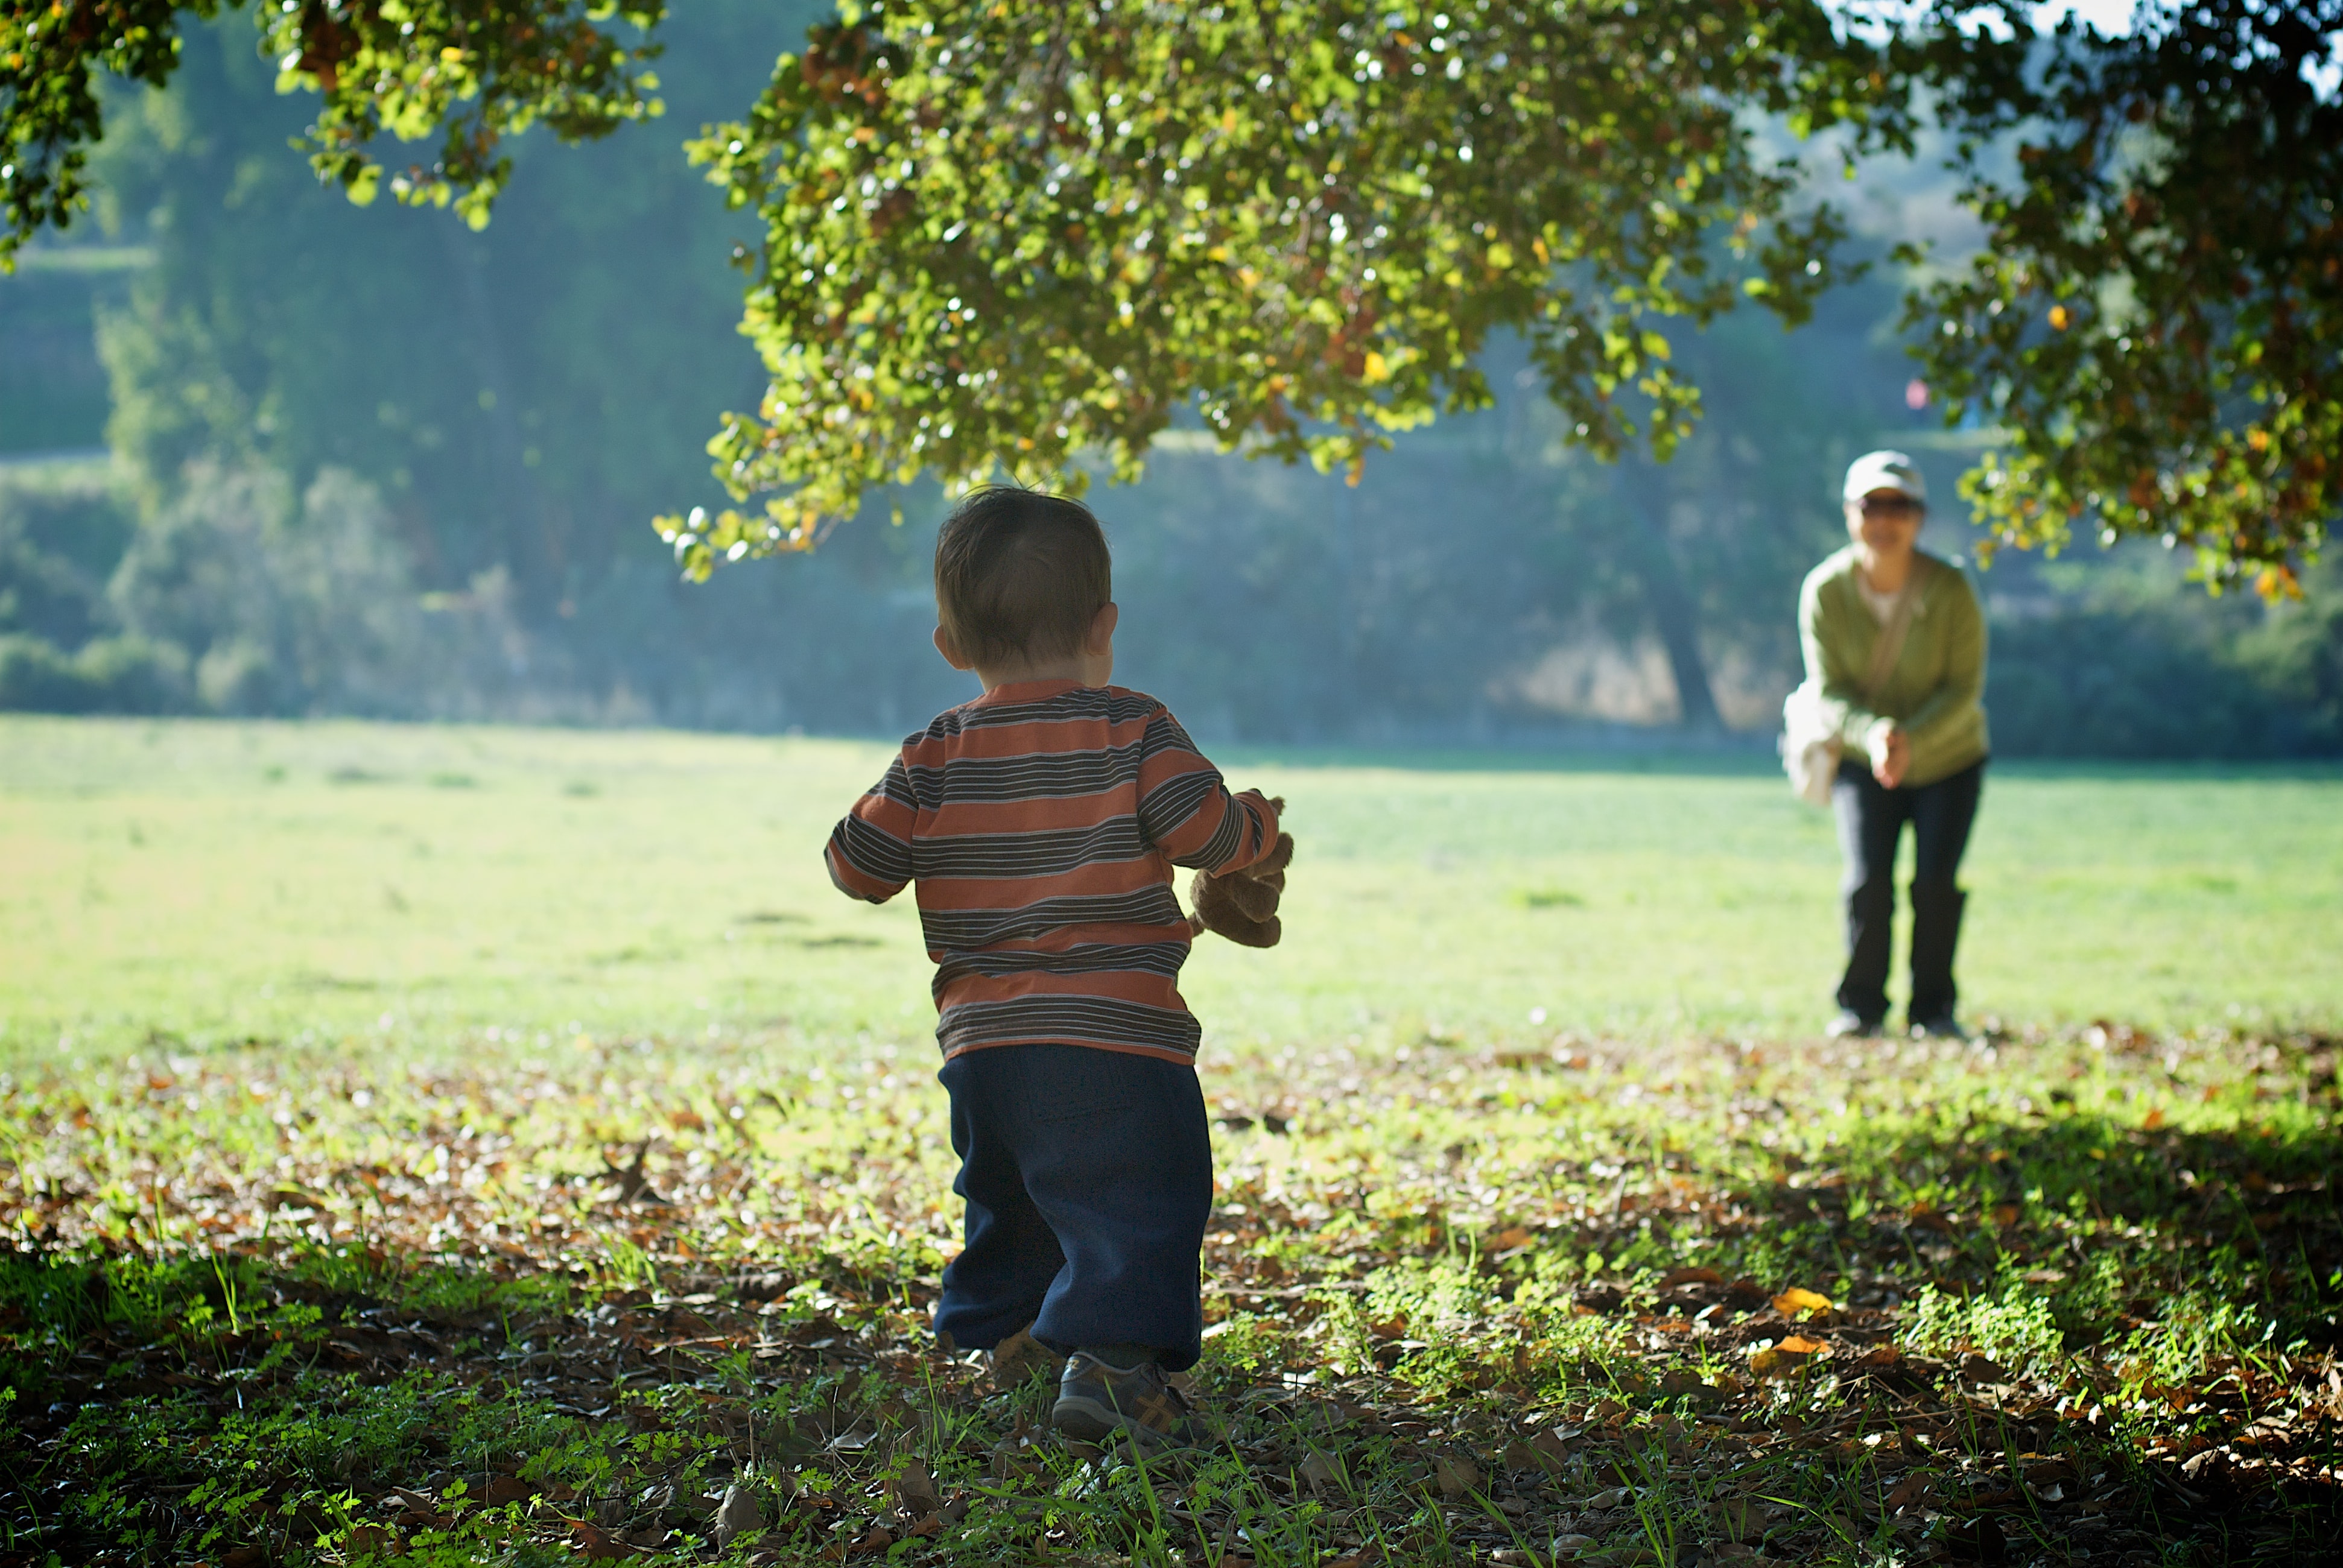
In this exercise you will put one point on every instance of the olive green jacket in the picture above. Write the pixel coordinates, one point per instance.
(1937, 690)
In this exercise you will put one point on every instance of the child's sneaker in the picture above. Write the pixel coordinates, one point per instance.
(1021, 1357)
(1097, 1402)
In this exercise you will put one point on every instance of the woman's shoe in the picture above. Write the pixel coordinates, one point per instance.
(1852, 1025)
(1944, 1028)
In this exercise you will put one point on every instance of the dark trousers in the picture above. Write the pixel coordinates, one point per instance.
(1089, 1180)
(1871, 821)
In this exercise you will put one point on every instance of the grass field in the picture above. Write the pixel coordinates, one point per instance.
(211, 881)
(491, 1146)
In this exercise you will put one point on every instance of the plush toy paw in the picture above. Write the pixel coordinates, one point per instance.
(1217, 909)
(1243, 905)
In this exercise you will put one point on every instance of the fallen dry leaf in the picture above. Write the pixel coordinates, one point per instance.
(1738, 1518)
(1456, 1477)
(915, 1490)
(739, 1513)
(597, 1544)
(633, 1185)
(1674, 1277)
(1785, 1357)
(1798, 1299)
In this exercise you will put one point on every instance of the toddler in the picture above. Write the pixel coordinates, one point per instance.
(1040, 822)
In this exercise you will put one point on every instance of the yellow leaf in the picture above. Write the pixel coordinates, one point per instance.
(1501, 256)
(1537, 247)
(2155, 1120)
(1798, 1299)
(1378, 368)
(1799, 1345)
(1656, 346)
(2060, 317)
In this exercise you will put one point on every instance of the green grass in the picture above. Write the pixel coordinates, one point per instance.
(304, 1264)
(209, 882)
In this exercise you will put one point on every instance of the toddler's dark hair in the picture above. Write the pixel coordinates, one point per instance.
(1020, 574)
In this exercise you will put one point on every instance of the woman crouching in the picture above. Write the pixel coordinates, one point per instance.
(1895, 642)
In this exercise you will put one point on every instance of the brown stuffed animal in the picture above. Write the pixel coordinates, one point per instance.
(1243, 905)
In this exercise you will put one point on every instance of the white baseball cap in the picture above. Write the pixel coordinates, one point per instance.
(1884, 470)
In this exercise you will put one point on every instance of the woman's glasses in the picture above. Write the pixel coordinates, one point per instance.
(1889, 507)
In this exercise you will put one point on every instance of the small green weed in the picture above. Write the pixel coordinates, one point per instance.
(2014, 1326)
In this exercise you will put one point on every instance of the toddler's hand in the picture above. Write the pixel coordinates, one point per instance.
(1241, 905)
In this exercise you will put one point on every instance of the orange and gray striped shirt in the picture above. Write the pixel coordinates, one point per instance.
(1041, 822)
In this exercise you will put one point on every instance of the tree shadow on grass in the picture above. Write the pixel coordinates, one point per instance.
(2164, 1301)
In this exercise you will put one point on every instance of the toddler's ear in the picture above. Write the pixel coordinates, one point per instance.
(1100, 638)
(945, 646)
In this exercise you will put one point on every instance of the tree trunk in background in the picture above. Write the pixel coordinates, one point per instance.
(529, 544)
(1644, 515)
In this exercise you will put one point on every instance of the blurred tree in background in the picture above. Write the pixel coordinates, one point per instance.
(475, 424)
(500, 396)
(1306, 221)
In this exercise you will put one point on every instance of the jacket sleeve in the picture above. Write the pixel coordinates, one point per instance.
(1965, 647)
(1187, 812)
(870, 850)
(1829, 665)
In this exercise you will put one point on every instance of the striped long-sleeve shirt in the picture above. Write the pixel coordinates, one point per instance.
(1041, 822)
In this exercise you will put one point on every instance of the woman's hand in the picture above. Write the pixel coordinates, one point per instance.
(1891, 757)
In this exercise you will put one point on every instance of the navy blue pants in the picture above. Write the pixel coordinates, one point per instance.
(1871, 821)
(1089, 1180)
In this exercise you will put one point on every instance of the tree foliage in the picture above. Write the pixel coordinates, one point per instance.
(475, 73)
(1016, 237)
(2157, 315)
(1022, 234)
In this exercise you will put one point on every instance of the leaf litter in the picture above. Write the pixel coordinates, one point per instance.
(2053, 1299)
